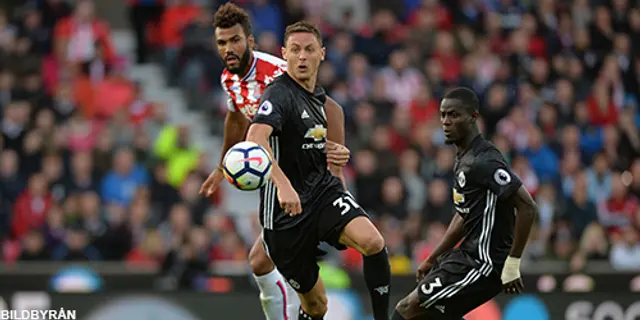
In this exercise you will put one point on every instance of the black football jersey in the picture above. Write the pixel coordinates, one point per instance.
(482, 188)
(298, 144)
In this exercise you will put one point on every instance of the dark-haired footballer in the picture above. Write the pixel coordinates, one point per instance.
(490, 203)
(304, 203)
(247, 74)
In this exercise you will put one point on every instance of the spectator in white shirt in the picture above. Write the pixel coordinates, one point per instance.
(625, 253)
(402, 82)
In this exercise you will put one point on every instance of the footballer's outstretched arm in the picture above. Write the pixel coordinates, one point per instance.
(287, 196)
(275, 108)
(526, 213)
(260, 133)
(235, 126)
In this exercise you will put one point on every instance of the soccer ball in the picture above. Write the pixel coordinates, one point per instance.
(247, 166)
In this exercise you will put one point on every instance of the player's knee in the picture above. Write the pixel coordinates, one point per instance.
(403, 306)
(259, 261)
(316, 306)
(409, 305)
(373, 244)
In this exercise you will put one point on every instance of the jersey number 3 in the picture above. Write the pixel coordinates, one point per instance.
(345, 203)
(435, 284)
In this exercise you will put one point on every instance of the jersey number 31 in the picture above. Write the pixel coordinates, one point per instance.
(345, 203)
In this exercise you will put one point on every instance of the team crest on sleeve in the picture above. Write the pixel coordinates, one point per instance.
(462, 180)
(265, 108)
(294, 284)
(502, 177)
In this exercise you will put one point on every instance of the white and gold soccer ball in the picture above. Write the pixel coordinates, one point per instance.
(247, 166)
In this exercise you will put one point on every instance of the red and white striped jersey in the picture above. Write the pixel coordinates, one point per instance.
(244, 93)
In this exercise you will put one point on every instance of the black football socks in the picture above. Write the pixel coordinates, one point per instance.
(397, 316)
(377, 275)
(304, 316)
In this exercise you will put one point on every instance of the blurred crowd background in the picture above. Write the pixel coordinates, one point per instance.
(91, 170)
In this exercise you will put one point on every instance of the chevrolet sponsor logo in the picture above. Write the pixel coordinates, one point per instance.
(317, 133)
(457, 197)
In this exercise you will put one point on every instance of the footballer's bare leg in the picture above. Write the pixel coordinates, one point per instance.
(362, 235)
(409, 308)
(313, 304)
(279, 301)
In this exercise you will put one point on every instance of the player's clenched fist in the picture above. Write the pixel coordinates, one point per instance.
(289, 200)
(337, 154)
(212, 183)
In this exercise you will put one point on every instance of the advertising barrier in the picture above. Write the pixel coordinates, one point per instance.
(342, 306)
(95, 292)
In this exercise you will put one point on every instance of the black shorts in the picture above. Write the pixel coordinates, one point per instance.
(294, 250)
(454, 286)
